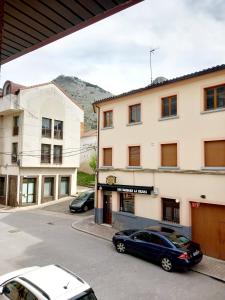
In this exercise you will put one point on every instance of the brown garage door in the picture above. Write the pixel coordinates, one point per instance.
(208, 229)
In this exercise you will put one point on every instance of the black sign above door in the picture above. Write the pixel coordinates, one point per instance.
(145, 190)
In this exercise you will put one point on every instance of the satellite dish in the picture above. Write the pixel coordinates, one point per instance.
(159, 79)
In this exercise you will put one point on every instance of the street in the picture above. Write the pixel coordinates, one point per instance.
(45, 236)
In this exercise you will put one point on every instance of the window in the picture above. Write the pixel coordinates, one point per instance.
(134, 156)
(108, 119)
(45, 153)
(29, 191)
(64, 186)
(16, 125)
(169, 106)
(58, 129)
(107, 157)
(46, 127)
(169, 155)
(57, 159)
(14, 152)
(155, 239)
(14, 291)
(215, 97)
(171, 210)
(143, 236)
(135, 113)
(215, 153)
(127, 202)
(48, 186)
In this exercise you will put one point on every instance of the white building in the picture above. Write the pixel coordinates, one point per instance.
(39, 144)
(88, 144)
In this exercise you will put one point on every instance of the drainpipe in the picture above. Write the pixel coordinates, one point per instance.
(97, 172)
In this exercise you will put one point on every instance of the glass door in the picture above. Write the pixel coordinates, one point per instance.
(28, 190)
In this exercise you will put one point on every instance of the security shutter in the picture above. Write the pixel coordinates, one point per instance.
(134, 156)
(107, 156)
(215, 153)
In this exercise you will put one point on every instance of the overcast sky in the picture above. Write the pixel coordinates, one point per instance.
(114, 53)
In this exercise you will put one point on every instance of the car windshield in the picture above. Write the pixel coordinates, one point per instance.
(178, 240)
(86, 296)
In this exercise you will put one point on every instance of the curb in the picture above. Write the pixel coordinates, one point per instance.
(90, 233)
(213, 277)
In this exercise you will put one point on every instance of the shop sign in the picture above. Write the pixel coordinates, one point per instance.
(145, 190)
(111, 179)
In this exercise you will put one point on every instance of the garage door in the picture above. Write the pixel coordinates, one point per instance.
(208, 229)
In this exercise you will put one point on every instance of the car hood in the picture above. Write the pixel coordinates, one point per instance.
(77, 203)
(16, 273)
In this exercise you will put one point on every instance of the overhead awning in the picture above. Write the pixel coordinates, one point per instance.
(26, 25)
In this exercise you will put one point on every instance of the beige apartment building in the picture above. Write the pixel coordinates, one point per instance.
(39, 144)
(162, 158)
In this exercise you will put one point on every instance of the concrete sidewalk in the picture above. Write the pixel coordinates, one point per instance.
(209, 266)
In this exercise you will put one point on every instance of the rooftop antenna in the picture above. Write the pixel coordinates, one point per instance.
(152, 52)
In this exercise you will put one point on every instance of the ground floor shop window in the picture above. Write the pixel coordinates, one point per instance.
(64, 186)
(127, 202)
(171, 210)
(29, 190)
(48, 187)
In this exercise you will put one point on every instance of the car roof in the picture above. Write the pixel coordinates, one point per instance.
(161, 230)
(55, 281)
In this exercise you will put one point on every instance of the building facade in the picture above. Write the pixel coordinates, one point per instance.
(40, 144)
(88, 144)
(162, 158)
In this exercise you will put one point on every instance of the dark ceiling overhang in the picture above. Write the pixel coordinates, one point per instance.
(26, 25)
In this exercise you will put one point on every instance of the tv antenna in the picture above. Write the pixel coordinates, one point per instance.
(151, 52)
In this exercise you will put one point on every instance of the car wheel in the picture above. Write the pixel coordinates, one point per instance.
(120, 247)
(166, 264)
(85, 208)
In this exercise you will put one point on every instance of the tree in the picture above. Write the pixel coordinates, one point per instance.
(93, 162)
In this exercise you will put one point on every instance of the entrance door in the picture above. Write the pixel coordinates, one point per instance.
(107, 208)
(222, 240)
(2, 190)
(29, 191)
(12, 191)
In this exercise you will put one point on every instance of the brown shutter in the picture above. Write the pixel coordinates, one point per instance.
(107, 156)
(134, 156)
(215, 153)
(169, 155)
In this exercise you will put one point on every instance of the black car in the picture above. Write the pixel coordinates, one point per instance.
(163, 245)
(83, 202)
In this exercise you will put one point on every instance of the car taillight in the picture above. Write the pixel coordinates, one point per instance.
(184, 255)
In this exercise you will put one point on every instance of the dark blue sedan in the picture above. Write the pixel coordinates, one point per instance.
(163, 245)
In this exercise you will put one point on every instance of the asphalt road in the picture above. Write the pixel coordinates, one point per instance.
(45, 236)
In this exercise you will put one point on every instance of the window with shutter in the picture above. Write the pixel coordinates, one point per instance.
(215, 153)
(215, 97)
(169, 106)
(134, 156)
(169, 155)
(108, 119)
(107, 157)
(135, 113)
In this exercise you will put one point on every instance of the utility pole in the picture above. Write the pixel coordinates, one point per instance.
(151, 52)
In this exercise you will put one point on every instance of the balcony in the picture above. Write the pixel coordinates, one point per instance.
(9, 104)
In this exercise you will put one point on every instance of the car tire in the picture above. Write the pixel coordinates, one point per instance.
(120, 247)
(85, 208)
(166, 264)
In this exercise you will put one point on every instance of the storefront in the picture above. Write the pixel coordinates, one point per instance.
(118, 199)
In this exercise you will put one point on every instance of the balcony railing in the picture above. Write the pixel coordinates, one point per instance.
(15, 130)
(45, 158)
(58, 134)
(46, 132)
(57, 159)
(14, 158)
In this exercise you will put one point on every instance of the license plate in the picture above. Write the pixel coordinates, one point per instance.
(195, 253)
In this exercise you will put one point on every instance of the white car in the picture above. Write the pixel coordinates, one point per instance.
(44, 283)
